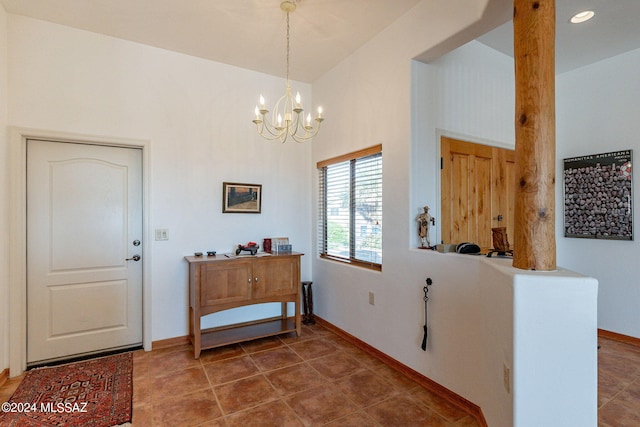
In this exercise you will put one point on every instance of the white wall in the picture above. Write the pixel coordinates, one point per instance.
(469, 94)
(4, 185)
(597, 112)
(197, 116)
(382, 96)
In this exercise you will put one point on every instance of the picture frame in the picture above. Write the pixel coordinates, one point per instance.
(241, 198)
(598, 196)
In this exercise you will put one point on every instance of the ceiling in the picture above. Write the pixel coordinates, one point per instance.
(615, 29)
(251, 33)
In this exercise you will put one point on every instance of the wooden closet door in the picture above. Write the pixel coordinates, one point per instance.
(477, 190)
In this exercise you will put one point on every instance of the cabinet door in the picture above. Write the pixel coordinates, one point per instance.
(225, 282)
(276, 276)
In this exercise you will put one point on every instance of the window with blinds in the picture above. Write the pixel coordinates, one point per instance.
(350, 203)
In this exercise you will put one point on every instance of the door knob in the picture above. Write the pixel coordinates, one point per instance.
(135, 258)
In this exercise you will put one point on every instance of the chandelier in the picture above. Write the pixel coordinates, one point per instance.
(287, 119)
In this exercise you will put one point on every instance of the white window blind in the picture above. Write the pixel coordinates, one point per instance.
(350, 203)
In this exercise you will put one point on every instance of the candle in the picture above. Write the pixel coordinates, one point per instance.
(257, 113)
(298, 99)
(319, 112)
(309, 119)
(279, 120)
(261, 102)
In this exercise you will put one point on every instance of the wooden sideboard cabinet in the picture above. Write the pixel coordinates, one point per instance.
(223, 282)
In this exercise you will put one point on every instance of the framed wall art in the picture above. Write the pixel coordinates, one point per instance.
(598, 196)
(241, 198)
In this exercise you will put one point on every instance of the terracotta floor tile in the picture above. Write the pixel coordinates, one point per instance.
(262, 344)
(467, 421)
(338, 342)
(336, 365)
(609, 386)
(396, 379)
(357, 419)
(403, 411)
(189, 409)
(273, 414)
(320, 405)
(318, 330)
(618, 414)
(294, 379)
(291, 337)
(313, 349)
(218, 422)
(631, 395)
(228, 370)
(142, 415)
(364, 358)
(178, 383)
(221, 353)
(170, 387)
(141, 390)
(244, 394)
(276, 358)
(442, 406)
(172, 361)
(366, 388)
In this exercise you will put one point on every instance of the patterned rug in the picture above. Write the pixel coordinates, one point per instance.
(92, 393)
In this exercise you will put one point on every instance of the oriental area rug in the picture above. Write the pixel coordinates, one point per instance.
(91, 393)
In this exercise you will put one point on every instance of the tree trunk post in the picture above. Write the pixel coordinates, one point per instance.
(534, 54)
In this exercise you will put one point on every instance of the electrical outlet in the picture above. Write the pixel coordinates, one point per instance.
(371, 298)
(506, 377)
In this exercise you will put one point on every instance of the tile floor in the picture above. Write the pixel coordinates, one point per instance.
(320, 379)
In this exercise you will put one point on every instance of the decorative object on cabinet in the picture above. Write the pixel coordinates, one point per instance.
(223, 283)
(251, 247)
(241, 198)
(598, 196)
(280, 244)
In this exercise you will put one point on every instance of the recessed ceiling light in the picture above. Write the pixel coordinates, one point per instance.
(582, 16)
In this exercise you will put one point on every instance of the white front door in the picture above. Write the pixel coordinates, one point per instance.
(84, 224)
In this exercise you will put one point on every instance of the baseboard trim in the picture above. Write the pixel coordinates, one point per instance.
(170, 342)
(619, 337)
(464, 404)
(4, 376)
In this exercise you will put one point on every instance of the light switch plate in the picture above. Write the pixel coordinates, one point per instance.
(162, 234)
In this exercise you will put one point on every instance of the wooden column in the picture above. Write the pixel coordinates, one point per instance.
(534, 53)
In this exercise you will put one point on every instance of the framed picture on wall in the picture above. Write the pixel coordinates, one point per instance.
(241, 198)
(598, 196)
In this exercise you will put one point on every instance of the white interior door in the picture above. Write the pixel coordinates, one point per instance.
(84, 224)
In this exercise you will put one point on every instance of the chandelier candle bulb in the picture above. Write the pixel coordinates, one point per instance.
(319, 112)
